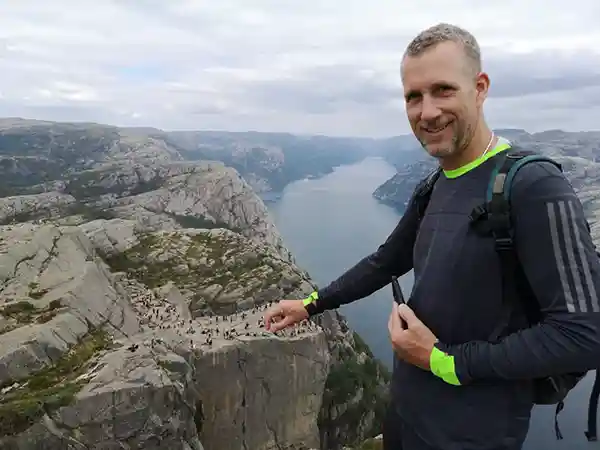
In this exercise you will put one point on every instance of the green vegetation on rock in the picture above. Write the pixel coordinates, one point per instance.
(371, 444)
(18, 309)
(216, 268)
(154, 183)
(50, 388)
(361, 346)
(133, 261)
(200, 222)
(354, 376)
(25, 312)
(89, 212)
(77, 208)
(351, 375)
(94, 183)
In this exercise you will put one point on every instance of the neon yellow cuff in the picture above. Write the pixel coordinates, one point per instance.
(442, 365)
(311, 298)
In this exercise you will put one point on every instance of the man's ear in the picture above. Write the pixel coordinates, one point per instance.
(482, 86)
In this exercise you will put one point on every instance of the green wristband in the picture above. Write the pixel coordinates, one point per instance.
(310, 299)
(442, 365)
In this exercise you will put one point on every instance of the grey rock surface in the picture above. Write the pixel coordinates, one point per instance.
(53, 292)
(142, 370)
(46, 205)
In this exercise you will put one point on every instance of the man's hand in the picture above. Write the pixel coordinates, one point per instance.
(412, 342)
(284, 314)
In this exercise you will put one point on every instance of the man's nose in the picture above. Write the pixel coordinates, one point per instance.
(429, 109)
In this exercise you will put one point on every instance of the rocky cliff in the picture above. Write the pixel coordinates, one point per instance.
(133, 284)
(95, 358)
(49, 170)
(578, 152)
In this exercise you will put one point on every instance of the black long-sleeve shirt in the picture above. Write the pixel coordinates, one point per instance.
(556, 252)
(457, 294)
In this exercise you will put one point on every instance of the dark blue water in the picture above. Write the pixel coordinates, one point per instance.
(332, 222)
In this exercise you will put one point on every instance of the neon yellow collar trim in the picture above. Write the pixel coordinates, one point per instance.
(455, 173)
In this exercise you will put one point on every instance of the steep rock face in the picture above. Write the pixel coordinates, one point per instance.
(158, 196)
(261, 378)
(207, 194)
(87, 169)
(356, 391)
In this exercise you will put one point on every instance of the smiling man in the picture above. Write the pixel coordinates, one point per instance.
(455, 386)
(444, 92)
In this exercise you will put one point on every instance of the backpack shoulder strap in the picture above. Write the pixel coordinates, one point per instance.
(507, 168)
(497, 211)
(424, 189)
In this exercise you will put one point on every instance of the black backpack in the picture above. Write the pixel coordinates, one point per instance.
(493, 219)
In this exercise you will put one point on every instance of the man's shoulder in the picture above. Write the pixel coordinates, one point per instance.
(538, 177)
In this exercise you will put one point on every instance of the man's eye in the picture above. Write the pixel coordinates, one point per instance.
(444, 90)
(411, 98)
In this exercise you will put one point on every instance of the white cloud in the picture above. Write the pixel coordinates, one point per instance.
(282, 65)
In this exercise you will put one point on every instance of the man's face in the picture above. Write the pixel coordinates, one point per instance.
(443, 98)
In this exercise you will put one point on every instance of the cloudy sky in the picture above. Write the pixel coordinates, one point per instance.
(326, 66)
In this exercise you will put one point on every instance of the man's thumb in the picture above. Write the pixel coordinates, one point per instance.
(278, 326)
(407, 314)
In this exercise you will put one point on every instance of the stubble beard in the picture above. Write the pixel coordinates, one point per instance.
(451, 149)
(458, 145)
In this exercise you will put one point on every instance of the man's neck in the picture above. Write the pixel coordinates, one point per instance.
(482, 140)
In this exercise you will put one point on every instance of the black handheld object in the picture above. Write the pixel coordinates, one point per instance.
(398, 296)
(397, 291)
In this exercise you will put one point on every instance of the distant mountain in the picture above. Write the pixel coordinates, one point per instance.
(35, 155)
(270, 161)
(39, 152)
(398, 150)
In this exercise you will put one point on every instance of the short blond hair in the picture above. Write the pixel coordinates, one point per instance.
(445, 32)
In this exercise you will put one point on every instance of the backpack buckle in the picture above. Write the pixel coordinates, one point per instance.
(504, 243)
(478, 213)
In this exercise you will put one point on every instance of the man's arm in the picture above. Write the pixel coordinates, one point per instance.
(393, 257)
(556, 251)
